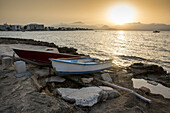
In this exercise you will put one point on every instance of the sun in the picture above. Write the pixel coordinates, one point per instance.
(121, 14)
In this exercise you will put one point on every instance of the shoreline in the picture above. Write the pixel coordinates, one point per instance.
(121, 76)
(5, 40)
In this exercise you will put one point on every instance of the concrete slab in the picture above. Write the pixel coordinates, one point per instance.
(84, 97)
(65, 92)
(87, 96)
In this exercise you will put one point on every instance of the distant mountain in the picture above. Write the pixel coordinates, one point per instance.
(128, 26)
(78, 24)
(141, 26)
(106, 27)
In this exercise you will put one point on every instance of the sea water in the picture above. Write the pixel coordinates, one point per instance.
(124, 47)
(156, 89)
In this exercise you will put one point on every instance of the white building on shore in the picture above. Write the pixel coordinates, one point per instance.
(15, 27)
(30, 27)
(7, 27)
(2, 28)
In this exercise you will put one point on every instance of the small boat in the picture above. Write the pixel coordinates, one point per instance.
(40, 57)
(156, 31)
(79, 65)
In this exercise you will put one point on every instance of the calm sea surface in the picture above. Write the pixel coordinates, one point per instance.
(124, 47)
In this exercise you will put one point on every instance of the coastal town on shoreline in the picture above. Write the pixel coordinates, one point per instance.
(37, 27)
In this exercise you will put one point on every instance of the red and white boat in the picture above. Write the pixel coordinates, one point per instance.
(40, 57)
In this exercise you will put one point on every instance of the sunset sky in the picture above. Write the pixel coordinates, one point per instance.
(107, 12)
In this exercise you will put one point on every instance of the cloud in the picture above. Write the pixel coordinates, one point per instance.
(78, 23)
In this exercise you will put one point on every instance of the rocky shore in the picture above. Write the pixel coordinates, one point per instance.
(41, 92)
(4, 40)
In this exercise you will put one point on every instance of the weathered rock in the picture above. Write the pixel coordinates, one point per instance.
(137, 65)
(109, 93)
(67, 50)
(106, 77)
(36, 83)
(87, 80)
(26, 74)
(55, 79)
(4, 40)
(147, 69)
(6, 62)
(75, 78)
(18, 95)
(129, 75)
(83, 97)
(152, 82)
(42, 72)
(131, 110)
(164, 79)
(52, 49)
(150, 72)
(145, 90)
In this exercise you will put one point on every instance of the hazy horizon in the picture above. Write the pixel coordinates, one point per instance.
(91, 12)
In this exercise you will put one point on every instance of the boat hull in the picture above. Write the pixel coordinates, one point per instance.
(40, 57)
(156, 31)
(71, 68)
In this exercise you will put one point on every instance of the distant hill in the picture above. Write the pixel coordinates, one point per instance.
(128, 26)
(140, 26)
(77, 24)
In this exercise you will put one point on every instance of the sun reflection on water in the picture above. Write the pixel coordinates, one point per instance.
(121, 32)
(120, 43)
(119, 46)
(121, 35)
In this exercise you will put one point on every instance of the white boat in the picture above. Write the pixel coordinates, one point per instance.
(79, 65)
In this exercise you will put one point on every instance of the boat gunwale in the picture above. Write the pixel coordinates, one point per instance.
(79, 63)
(41, 51)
